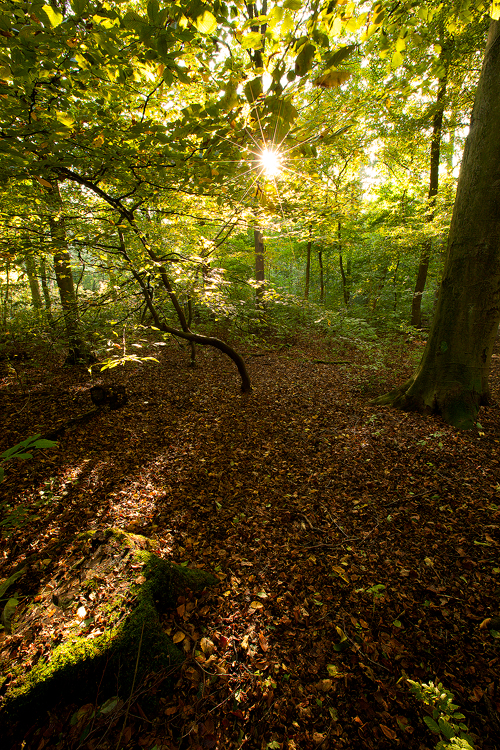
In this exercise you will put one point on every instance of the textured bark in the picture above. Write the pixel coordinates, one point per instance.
(452, 378)
(425, 255)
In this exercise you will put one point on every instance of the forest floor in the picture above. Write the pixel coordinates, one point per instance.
(356, 546)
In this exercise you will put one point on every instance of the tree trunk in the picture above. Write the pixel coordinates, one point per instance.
(345, 284)
(308, 265)
(77, 351)
(36, 297)
(452, 378)
(259, 265)
(46, 292)
(321, 276)
(425, 255)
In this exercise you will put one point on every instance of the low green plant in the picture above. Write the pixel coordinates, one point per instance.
(445, 716)
(21, 450)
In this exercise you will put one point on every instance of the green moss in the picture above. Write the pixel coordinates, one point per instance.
(109, 660)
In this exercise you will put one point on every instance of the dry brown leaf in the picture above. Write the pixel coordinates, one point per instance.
(263, 642)
(178, 637)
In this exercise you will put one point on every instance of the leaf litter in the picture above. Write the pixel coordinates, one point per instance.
(355, 547)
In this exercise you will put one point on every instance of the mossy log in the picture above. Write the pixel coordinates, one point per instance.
(103, 633)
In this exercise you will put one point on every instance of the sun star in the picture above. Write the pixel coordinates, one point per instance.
(271, 162)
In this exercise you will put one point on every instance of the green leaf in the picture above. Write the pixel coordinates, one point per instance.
(23, 456)
(339, 56)
(12, 579)
(253, 40)
(432, 725)
(253, 89)
(55, 18)
(292, 4)
(446, 728)
(44, 443)
(304, 59)
(206, 23)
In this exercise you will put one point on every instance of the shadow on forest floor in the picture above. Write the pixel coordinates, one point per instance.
(355, 546)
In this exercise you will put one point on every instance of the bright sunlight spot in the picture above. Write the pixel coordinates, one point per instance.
(271, 162)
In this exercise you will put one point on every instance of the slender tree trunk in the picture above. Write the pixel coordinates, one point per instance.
(425, 255)
(64, 276)
(6, 294)
(46, 291)
(345, 283)
(321, 276)
(260, 276)
(452, 378)
(36, 297)
(308, 264)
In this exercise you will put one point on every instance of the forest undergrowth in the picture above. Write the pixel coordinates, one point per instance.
(356, 547)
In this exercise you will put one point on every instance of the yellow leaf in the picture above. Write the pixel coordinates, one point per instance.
(495, 10)
(178, 637)
(65, 119)
(332, 79)
(400, 44)
(336, 29)
(206, 23)
(54, 16)
(397, 59)
(98, 141)
(256, 605)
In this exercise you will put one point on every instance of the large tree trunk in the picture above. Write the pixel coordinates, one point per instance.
(452, 378)
(425, 255)
(77, 350)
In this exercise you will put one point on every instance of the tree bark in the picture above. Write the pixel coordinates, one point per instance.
(260, 276)
(308, 269)
(452, 378)
(46, 292)
(321, 276)
(36, 297)
(345, 284)
(64, 276)
(425, 255)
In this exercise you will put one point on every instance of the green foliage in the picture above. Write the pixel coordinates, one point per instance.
(446, 720)
(21, 450)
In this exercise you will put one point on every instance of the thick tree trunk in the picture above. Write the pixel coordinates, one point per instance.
(260, 276)
(77, 350)
(452, 378)
(425, 255)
